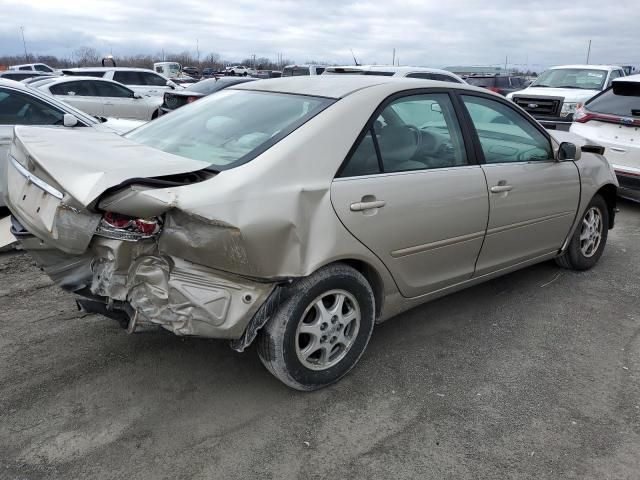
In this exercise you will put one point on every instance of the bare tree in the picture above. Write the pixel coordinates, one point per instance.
(87, 56)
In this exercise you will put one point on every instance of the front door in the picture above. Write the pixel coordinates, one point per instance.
(412, 195)
(533, 198)
(119, 101)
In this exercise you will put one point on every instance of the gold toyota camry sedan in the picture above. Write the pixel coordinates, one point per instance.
(300, 212)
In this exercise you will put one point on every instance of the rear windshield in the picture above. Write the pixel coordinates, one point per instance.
(622, 100)
(230, 127)
(295, 71)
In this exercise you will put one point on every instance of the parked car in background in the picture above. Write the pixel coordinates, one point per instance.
(23, 105)
(240, 70)
(423, 73)
(210, 72)
(141, 80)
(612, 119)
(35, 67)
(196, 91)
(264, 74)
(18, 76)
(302, 70)
(502, 84)
(102, 97)
(554, 96)
(213, 221)
(191, 71)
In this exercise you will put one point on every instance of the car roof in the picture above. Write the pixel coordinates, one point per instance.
(109, 69)
(339, 86)
(630, 78)
(75, 78)
(590, 67)
(394, 69)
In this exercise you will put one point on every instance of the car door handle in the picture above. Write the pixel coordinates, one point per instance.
(501, 188)
(619, 150)
(361, 206)
(108, 103)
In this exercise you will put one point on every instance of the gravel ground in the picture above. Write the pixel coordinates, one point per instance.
(533, 375)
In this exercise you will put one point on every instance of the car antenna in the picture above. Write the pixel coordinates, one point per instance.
(354, 58)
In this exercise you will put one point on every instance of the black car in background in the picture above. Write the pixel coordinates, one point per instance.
(502, 84)
(177, 98)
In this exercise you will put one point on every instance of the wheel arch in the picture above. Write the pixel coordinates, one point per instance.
(372, 276)
(609, 193)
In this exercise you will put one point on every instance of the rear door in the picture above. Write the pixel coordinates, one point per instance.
(411, 192)
(533, 198)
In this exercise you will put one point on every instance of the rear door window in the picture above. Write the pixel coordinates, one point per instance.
(108, 89)
(128, 77)
(153, 80)
(417, 132)
(81, 88)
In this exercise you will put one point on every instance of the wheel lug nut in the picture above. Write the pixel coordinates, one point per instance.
(334, 319)
(323, 339)
(323, 326)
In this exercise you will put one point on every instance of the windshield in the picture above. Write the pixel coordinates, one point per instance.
(229, 127)
(211, 85)
(581, 78)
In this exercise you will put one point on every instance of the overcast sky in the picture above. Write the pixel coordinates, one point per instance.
(424, 32)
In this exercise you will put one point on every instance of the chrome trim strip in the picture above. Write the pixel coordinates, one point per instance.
(403, 252)
(526, 223)
(41, 184)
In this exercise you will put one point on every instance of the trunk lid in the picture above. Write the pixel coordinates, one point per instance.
(53, 175)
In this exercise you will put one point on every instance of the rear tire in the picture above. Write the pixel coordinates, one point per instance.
(320, 332)
(589, 239)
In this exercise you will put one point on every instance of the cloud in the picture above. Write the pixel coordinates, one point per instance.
(424, 32)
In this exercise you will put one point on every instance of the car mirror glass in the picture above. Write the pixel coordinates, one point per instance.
(567, 151)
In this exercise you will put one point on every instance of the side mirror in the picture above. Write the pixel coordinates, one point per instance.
(137, 95)
(172, 85)
(69, 120)
(567, 151)
(435, 107)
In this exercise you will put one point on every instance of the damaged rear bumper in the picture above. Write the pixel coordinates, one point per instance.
(134, 279)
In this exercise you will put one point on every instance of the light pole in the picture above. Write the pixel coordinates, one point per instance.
(24, 44)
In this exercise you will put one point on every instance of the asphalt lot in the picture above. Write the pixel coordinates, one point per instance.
(533, 375)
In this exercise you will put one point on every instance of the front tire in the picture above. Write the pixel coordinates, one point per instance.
(320, 332)
(589, 239)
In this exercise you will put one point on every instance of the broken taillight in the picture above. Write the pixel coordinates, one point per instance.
(122, 227)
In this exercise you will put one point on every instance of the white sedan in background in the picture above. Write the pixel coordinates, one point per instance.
(102, 97)
(612, 119)
(24, 105)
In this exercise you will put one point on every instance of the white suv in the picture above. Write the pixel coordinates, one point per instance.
(141, 80)
(35, 67)
(556, 94)
(240, 70)
(423, 73)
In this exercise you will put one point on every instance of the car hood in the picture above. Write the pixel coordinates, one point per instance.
(121, 125)
(570, 95)
(86, 163)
